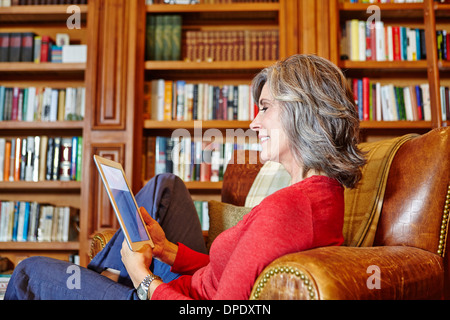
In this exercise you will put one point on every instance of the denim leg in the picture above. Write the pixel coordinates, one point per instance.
(50, 279)
(167, 200)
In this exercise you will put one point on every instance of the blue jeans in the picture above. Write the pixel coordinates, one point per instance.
(166, 199)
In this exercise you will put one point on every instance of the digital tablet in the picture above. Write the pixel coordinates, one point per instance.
(124, 203)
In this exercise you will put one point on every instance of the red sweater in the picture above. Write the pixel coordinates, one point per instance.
(303, 216)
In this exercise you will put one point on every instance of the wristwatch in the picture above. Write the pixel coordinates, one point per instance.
(142, 289)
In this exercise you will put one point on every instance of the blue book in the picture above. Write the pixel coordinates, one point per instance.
(26, 221)
(2, 101)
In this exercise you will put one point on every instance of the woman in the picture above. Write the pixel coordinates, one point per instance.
(307, 121)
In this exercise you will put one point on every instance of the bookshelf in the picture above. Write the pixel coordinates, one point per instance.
(216, 18)
(42, 20)
(399, 72)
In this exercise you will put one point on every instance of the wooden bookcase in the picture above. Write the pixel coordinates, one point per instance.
(42, 20)
(218, 17)
(116, 70)
(401, 73)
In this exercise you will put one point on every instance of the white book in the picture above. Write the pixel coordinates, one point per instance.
(390, 44)
(36, 159)
(53, 116)
(29, 162)
(392, 103)
(443, 102)
(31, 108)
(205, 216)
(426, 101)
(380, 41)
(2, 157)
(74, 53)
(385, 103)
(362, 40)
(3, 223)
(46, 104)
(69, 106)
(157, 100)
(379, 115)
(408, 104)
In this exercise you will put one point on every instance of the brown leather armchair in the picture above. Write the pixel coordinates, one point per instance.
(407, 257)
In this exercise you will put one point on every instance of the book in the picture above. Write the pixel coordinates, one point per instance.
(380, 41)
(4, 46)
(388, 102)
(27, 47)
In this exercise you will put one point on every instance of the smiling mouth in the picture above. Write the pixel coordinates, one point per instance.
(263, 139)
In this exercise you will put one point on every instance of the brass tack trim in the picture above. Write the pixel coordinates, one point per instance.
(444, 225)
(288, 270)
(99, 238)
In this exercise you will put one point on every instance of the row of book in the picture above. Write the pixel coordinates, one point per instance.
(188, 158)
(41, 158)
(9, 3)
(163, 37)
(232, 45)
(368, 41)
(30, 47)
(387, 102)
(181, 100)
(24, 221)
(42, 104)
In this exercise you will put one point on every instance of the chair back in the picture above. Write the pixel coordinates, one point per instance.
(417, 197)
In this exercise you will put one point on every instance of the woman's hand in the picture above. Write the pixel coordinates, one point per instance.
(137, 263)
(164, 250)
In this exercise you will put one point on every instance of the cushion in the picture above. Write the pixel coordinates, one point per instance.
(223, 216)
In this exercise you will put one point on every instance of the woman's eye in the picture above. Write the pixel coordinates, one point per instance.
(263, 109)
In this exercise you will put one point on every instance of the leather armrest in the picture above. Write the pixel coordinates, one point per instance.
(347, 273)
(99, 241)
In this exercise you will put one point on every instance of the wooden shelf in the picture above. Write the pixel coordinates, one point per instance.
(235, 7)
(346, 6)
(376, 65)
(40, 185)
(210, 124)
(38, 13)
(54, 125)
(444, 65)
(31, 67)
(215, 65)
(39, 246)
(204, 185)
(401, 125)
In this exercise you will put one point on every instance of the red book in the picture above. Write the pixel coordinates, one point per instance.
(355, 92)
(366, 98)
(15, 104)
(4, 47)
(15, 46)
(396, 40)
(45, 48)
(448, 46)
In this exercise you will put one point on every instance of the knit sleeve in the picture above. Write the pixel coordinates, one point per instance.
(188, 261)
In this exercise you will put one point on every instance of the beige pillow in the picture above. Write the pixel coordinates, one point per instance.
(223, 216)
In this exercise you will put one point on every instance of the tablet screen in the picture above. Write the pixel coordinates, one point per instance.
(125, 204)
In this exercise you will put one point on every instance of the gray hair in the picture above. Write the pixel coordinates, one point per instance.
(318, 115)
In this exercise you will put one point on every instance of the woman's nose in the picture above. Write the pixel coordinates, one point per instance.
(255, 124)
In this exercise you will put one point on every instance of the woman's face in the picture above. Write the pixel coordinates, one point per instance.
(267, 124)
